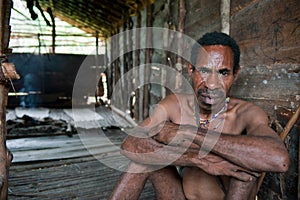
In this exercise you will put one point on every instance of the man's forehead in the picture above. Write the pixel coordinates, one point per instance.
(215, 54)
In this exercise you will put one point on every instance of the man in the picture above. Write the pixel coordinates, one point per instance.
(222, 143)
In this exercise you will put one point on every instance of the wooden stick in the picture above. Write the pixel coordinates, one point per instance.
(282, 135)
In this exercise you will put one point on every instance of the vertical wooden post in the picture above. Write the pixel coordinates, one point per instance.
(299, 170)
(97, 51)
(111, 67)
(225, 16)
(181, 19)
(179, 63)
(146, 99)
(7, 72)
(137, 116)
(2, 22)
(3, 100)
(130, 65)
(53, 29)
(108, 70)
(124, 67)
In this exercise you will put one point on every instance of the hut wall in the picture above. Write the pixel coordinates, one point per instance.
(268, 35)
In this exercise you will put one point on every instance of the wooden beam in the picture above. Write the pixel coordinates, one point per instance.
(7, 72)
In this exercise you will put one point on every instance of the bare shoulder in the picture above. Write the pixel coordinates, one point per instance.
(251, 115)
(245, 108)
(177, 100)
(177, 106)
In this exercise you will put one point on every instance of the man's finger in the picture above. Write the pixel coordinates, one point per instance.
(242, 176)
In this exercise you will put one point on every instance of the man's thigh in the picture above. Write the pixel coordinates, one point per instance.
(199, 185)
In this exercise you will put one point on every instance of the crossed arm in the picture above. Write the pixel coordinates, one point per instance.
(226, 154)
(239, 156)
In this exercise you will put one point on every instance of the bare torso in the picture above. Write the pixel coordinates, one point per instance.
(196, 183)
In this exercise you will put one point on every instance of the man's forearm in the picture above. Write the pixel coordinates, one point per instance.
(256, 153)
(148, 151)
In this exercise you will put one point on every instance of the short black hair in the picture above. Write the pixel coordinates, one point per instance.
(217, 38)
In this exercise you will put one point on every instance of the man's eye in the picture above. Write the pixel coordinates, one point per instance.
(202, 70)
(224, 72)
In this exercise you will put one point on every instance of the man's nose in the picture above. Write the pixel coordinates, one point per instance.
(212, 81)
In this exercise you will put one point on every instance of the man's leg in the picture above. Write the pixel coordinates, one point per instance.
(198, 185)
(166, 182)
(130, 185)
(242, 190)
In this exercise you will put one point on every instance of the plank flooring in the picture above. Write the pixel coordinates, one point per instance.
(61, 167)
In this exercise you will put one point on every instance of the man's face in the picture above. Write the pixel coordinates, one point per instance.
(213, 75)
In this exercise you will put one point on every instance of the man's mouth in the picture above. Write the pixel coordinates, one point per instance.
(210, 97)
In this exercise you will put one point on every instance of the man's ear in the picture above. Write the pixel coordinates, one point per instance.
(190, 68)
(236, 74)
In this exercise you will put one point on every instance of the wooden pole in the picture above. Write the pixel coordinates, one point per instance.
(7, 72)
(124, 68)
(53, 29)
(181, 20)
(146, 98)
(130, 65)
(137, 115)
(2, 26)
(298, 170)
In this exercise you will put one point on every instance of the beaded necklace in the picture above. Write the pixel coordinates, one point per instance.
(204, 123)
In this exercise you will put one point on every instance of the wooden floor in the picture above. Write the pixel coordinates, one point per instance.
(60, 167)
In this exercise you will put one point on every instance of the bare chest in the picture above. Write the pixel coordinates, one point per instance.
(227, 123)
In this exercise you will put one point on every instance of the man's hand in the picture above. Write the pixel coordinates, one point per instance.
(174, 134)
(215, 165)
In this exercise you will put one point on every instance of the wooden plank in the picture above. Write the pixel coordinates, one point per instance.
(201, 17)
(65, 178)
(58, 147)
(238, 5)
(79, 178)
(267, 31)
(278, 82)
